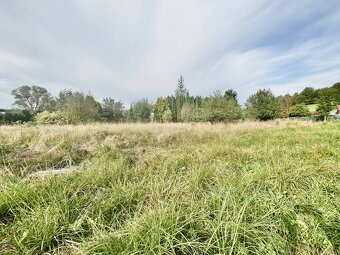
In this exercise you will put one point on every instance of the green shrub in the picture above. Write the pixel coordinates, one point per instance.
(299, 110)
(51, 118)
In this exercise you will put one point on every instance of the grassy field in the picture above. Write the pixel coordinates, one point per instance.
(312, 107)
(247, 188)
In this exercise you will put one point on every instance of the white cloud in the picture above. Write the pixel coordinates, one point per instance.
(131, 49)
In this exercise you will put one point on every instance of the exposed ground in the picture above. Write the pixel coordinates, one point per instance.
(247, 188)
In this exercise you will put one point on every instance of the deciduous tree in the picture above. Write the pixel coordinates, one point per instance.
(78, 107)
(231, 94)
(187, 112)
(161, 106)
(286, 104)
(218, 108)
(32, 98)
(141, 111)
(112, 110)
(263, 105)
(167, 116)
(324, 107)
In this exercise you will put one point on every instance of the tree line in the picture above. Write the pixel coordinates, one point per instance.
(73, 107)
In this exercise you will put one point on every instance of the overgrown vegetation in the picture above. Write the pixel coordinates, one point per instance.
(247, 188)
(300, 110)
(75, 107)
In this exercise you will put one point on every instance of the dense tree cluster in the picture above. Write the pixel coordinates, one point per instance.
(312, 96)
(14, 116)
(72, 107)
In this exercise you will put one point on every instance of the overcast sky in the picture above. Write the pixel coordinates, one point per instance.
(129, 49)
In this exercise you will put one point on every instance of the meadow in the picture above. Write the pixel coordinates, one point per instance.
(244, 188)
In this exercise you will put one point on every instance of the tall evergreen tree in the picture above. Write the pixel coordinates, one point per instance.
(181, 94)
(181, 90)
(172, 103)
